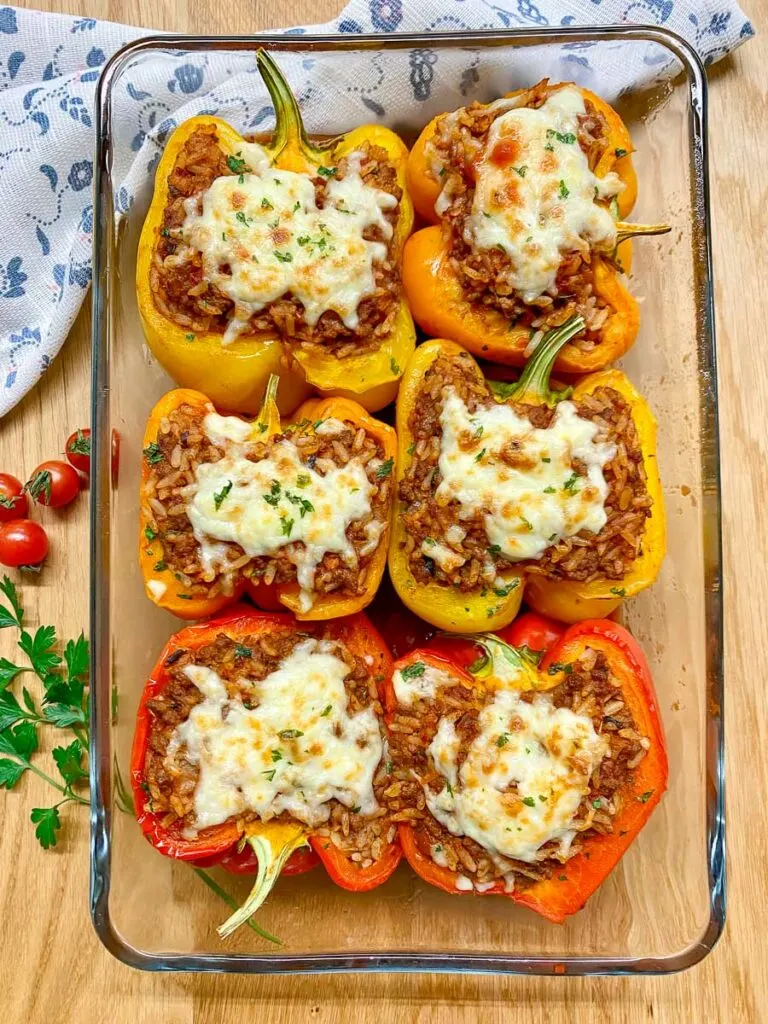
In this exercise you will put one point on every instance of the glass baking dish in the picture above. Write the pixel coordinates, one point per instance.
(663, 908)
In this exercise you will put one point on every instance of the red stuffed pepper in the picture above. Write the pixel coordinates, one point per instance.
(523, 779)
(256, 732)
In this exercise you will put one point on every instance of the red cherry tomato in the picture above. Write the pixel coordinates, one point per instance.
(534, 631)
(78, 450)
(23, 543)
(54, 483)
(13, 500)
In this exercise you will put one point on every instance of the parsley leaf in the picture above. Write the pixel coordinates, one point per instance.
(394, 366)
(413, 671)
(385, 468)
(570, 483)
(326, 711)
(290, 734)
(236, 164)
(219, 496)
(503, 740)
(303, 480)
(326, 172)
(48, 824)
(529, 801)
(38, 649)
(284, 257)
(153, 454)
(567, 137)
(274, 494)
(241, 651)
(8, 672)
(286, 525)
(645, 797)
(240, 216)
(69, 761)
(620, 152)
(563, 190)
(149, 533)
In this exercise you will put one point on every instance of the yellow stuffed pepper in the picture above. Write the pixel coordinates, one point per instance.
(515, 490)
(278, 257)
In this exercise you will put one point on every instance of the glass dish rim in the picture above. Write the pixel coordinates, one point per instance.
(100, 756)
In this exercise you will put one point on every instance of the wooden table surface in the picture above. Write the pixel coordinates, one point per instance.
(53, 968)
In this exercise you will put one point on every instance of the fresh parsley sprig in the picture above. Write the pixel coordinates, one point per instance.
(64, 705)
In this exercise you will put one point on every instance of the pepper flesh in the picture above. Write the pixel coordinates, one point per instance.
(564, 600)
(358, 634)
(239, 371)
(566, 892)
(436, 295)
(265, 426)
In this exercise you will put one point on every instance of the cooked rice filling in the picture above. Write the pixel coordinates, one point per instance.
(503, 784)
(561, 493)
(309, 505)
(234, 736)
(523, 210)
(313, 246)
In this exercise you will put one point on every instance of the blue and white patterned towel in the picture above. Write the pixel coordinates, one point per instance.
(48, 69)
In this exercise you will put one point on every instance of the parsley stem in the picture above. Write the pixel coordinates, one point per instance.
(47, 778)
(232, 903)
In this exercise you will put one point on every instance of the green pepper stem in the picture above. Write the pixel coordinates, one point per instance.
(494, 649)
(289, 125)
(625, 230)
(270, 866)
(533, 385)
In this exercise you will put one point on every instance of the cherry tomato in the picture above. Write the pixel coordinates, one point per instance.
(534, 631)
(23, 543)
(13, 500)
(78, 450)
(54, 484)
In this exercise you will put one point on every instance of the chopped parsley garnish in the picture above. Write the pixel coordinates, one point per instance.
(284, 257)
(506, 591)
(503, 740)
(286, 525)
(411, 448)
(542, 798)
(563, 191)
(266, 205)
(529, 801)
(149, 533)
(597, 803)
(566, 137)
(302, 504)
(645, 797)
(549, 147)
(326, 711)
(262, 428)
(153, 454)
(449, 787)
(219, 496)
(389, 767)
(277, 755)
(549, 490)
(236, 164)
(494, 549)
(160, 566)
(303, 239)
(619, 591)
(326, 172)
(430, 541)
(491, 611)
(290, 734)
(521, 170)
(559, 666)
(562, 878)
(526, 523)
(480, 454)
(270, 773)
(570, 483)
(274, 495)
(165, 233)
(545, 458)
(184, 597)
(317, 424)
(303, 480)
(393, 365)
(241, 651)
(620, 152)
(241, 217)
(438, 848)
(413, 671)
(552, 537)
(385, 468)
(479, 431)
(189, 337)
(297, 205)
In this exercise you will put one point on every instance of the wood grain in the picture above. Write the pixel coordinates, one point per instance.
(53, 967)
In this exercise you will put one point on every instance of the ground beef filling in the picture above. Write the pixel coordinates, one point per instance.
(583, 557)
(171, 788)
(455, 148)
(185, 297)
(182, 445)
(589, 689)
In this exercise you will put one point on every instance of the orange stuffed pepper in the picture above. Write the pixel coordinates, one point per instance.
(526, 195)
(296, 515)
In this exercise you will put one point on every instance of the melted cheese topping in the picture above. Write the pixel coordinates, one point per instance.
(244, 762)
(276, 504)
(535, 498)
(262, 235)
(421, 681)
(536, 197)
(524, 776)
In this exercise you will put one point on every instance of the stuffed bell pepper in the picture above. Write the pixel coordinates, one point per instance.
(255, 731)
(511, 487)
(519, 779)
(525, 195)
(296, 515)
(278, 256)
